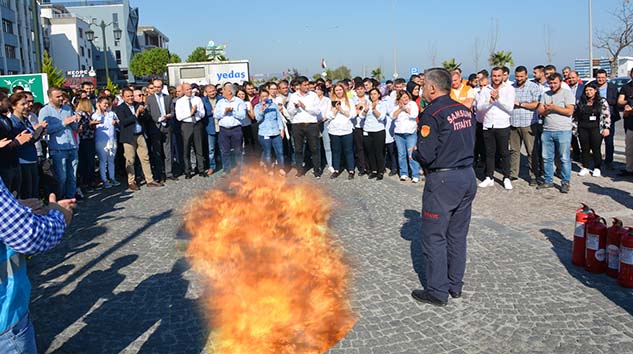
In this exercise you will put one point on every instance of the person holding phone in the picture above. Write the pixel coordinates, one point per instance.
(341, 130)
(271, 130)
(62, 146)
(405, 115)
(105, 122)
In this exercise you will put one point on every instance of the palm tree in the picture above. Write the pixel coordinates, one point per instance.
(451, 65)
(377, 74)
(501, 58)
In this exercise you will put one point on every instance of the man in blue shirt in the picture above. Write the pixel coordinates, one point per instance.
(26, 227)
(62, 145)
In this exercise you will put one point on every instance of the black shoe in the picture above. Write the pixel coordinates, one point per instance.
(533, 182)
(300, 173)
(172, 178)
(350, 175)
(514, 178)
(318, 174)
(393, 173)
(455, 295)
(188, 175)
(424, 296)
(564, 187)
(373, 175)
(203, 174)
(545, 186)
(379, 177)
(334, 174)
(362, 173)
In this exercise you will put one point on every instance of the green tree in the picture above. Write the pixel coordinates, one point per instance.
(174, 58)
(377, 74)
(55, 77)
(451, 65)
(112, 87)
(199, 54)
(340, 73)
(151, 62)
(619, 37)
(501, 58)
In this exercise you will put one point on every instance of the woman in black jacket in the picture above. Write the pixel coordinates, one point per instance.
(592, 118)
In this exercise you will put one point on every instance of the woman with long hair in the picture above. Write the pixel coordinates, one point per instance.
(104, 122)
(593, 120)
(29, 186)
(87, 152)
(247, 122)
(341, 130)
(405, 121)
(374, 134)
(324, 107)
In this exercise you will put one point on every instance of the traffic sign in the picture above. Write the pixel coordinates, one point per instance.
(414, 70)
(37, 84)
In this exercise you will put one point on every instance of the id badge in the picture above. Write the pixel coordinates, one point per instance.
(592, 118)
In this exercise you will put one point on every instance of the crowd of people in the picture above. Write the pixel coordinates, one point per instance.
(84, 139)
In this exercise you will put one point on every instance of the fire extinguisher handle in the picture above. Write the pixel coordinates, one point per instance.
(604, 221)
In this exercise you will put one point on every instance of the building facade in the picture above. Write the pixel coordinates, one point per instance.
(114, 14)
(150, 37)
(19, 50)
(65, 38)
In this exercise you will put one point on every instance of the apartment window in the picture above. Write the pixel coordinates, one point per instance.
(5, 3)
(81, 50)
(7, 26)
(124, 74)
(9, 51)
(117, 54)
(81, 33)
(83, 67)
(115, 18)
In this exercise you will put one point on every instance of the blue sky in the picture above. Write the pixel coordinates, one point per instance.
(276, 35)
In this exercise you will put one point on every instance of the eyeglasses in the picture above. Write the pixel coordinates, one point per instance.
(30, 101)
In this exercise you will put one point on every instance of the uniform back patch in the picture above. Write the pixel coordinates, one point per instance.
(425, 131)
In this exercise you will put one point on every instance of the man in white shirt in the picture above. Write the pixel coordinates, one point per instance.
(495, 104)
(303, 107)
(190, 112)
(229, 112)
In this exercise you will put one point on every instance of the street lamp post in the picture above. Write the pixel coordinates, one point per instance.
(590, 43)
(90, 34)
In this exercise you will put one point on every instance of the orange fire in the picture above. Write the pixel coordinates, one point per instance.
(276, 281)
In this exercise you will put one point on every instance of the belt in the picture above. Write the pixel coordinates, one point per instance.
(231, 128)
(432, 170)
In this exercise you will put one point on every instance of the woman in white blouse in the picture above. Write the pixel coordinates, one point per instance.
(105, 122)
(374, 115)
(405, 121)
(341, 130)
(324, 107)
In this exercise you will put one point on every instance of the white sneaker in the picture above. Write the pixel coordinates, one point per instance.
(404, 178)
(415, 180)
(596, 172)
(507, 184)
(584, 172)
(331, 169)
(488, 182)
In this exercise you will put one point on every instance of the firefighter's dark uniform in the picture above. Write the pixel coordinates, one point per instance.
(445, 151)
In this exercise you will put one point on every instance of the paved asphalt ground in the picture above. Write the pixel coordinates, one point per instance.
(119, 283)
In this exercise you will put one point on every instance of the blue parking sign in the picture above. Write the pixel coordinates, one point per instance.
(414, 70)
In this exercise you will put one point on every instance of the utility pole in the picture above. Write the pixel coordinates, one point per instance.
(590, 43)
(36, 34)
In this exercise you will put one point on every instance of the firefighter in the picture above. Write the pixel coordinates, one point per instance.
(444, 150)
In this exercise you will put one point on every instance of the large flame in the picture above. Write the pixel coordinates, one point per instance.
(277, 283)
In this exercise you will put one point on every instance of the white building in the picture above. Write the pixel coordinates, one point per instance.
(65, 39)
(625, 64)
(150, 37)
(18, 48)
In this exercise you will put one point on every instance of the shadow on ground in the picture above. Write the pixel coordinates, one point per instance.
(601, 282)
(410, 231)
(619, 196)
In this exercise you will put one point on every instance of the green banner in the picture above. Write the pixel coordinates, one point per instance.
(35, 83)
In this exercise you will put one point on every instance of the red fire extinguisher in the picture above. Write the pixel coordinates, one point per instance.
(625, 276)
(583, 215)
(614, 237)
(595, 245)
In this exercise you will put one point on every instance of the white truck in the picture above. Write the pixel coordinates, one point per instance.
(210, 72)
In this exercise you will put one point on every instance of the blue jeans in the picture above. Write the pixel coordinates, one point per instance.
(212, 140)
(552, 141)
(270, 144)
(342, 144)
(19, 339)
(65, 165)
(326, 142)
(405, 144)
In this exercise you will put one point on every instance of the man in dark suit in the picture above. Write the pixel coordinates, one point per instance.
(610, 92)
(131, 135)
(160, 109)
(577, 88)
